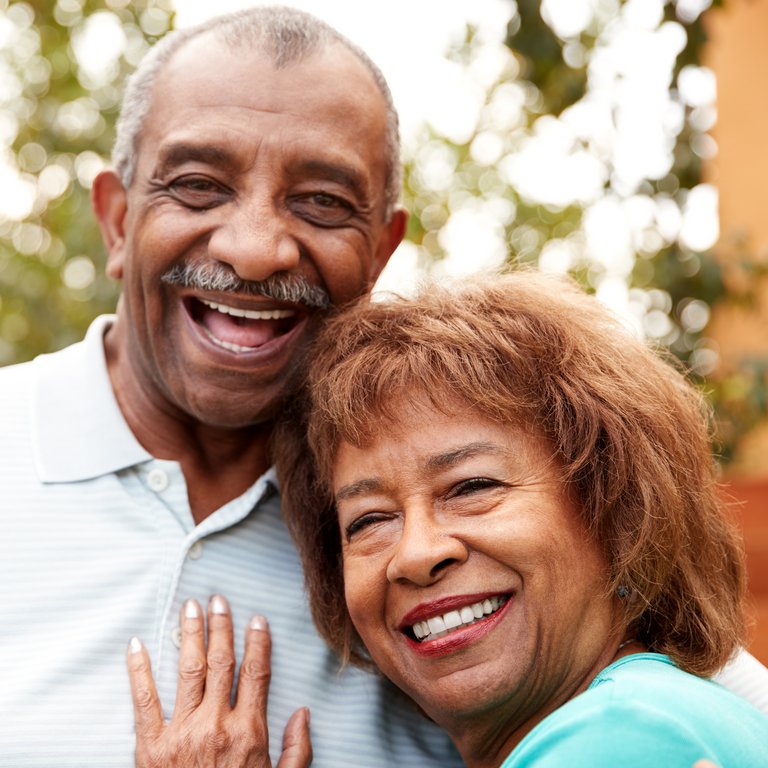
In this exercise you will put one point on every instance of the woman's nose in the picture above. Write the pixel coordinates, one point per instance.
(425, 550)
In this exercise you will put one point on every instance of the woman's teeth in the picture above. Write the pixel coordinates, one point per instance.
(438, 626)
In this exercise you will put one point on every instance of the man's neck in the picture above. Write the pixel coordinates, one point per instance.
(218, 463)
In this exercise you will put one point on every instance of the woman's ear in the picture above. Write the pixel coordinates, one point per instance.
(110, 204)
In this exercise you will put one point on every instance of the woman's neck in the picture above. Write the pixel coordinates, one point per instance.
(486, 739)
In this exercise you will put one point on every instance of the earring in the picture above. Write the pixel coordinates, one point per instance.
(622, 591)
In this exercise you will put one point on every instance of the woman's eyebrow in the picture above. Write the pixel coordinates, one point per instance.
(358, 488)
(457, 455)
(434, 463)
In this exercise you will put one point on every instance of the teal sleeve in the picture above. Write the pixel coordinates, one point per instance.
(628, 735)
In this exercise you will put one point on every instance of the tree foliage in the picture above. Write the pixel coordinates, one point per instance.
(56, 129)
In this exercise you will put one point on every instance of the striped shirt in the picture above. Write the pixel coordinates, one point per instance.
(98, 544)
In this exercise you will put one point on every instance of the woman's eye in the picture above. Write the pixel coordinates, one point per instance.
(473, 485)
(363, 522)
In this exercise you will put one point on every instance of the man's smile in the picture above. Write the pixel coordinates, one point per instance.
(238, 329)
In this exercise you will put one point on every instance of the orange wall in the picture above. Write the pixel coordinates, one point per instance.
(738, 53)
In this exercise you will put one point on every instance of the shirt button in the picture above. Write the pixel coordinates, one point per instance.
(196, 551)
(158, 480)
(176, 637)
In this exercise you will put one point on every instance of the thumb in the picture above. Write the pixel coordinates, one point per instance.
(297, 748)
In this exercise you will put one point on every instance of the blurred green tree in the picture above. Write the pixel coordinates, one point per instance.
(548, 163)
(549, 170)
(58, 104)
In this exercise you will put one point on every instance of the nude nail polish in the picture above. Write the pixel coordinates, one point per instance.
(259, 623)
(219, 605)
(191, 610)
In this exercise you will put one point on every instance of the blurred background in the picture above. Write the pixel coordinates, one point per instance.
(619, 141)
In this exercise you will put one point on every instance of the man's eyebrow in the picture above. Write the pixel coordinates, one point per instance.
(345, 175)
(451, 458)
(178, 153)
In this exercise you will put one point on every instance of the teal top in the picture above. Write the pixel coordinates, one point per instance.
(644, 712)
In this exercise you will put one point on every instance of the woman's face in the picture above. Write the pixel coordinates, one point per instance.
(468, 574)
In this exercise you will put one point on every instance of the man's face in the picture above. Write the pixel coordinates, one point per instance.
(246, 171)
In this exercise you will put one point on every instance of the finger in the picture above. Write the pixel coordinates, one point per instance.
(192, 664)
(147, 712)
(704, 764)
(255, 672)
(221, 654)
(297, 747)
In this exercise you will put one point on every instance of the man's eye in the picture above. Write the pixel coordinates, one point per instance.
(322, 209)
(197, 191)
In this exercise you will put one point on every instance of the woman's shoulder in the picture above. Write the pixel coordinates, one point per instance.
(644, 711)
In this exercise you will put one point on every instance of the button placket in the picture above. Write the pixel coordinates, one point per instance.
(195, 551)
(157, 480)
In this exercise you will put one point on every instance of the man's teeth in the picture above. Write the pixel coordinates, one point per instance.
(227, 344)
(438, 626)
(249, 314)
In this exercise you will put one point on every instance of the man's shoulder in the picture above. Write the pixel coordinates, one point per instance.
(16, 380)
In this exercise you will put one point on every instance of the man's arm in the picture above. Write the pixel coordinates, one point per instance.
(746, 677)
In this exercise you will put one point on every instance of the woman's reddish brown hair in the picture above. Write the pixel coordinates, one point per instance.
(532, 350)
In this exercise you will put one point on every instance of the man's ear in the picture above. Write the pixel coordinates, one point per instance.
(391, 237)
(110, 204)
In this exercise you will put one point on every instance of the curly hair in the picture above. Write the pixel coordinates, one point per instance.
(532, 350)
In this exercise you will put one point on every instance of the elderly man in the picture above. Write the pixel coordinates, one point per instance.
(255, 182)
(256, 175)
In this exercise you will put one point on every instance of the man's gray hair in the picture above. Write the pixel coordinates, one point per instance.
(286, 35)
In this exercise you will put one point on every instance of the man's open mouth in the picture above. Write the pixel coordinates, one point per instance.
(240, 330)
(444, 624)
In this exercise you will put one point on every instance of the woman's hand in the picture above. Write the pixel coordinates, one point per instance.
(206, 730)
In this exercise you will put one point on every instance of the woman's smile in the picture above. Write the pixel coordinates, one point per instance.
(468, 573)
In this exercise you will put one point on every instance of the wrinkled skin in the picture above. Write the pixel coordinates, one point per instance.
(206, 731)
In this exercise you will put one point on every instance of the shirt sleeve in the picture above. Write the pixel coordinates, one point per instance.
(628, 735)
(745, 676)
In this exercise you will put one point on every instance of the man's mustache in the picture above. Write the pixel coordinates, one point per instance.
(282, 286)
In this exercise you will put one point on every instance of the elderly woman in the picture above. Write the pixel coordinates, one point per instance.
(509, 507)
(526, 534)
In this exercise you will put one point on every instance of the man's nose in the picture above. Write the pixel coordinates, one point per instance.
(425, 551)
(255, 239)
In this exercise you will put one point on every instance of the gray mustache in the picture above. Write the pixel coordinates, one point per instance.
(281, 286)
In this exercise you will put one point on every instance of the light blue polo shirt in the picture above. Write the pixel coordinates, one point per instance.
(98, 544)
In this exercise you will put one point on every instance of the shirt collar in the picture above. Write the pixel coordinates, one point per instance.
(78, 430)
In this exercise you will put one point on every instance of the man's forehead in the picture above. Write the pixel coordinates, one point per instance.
(211, 53)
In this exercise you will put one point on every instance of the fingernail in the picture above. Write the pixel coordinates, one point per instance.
(191, 611)
(306, 715)
(259, 623)
(219, 604)
(134, 646)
